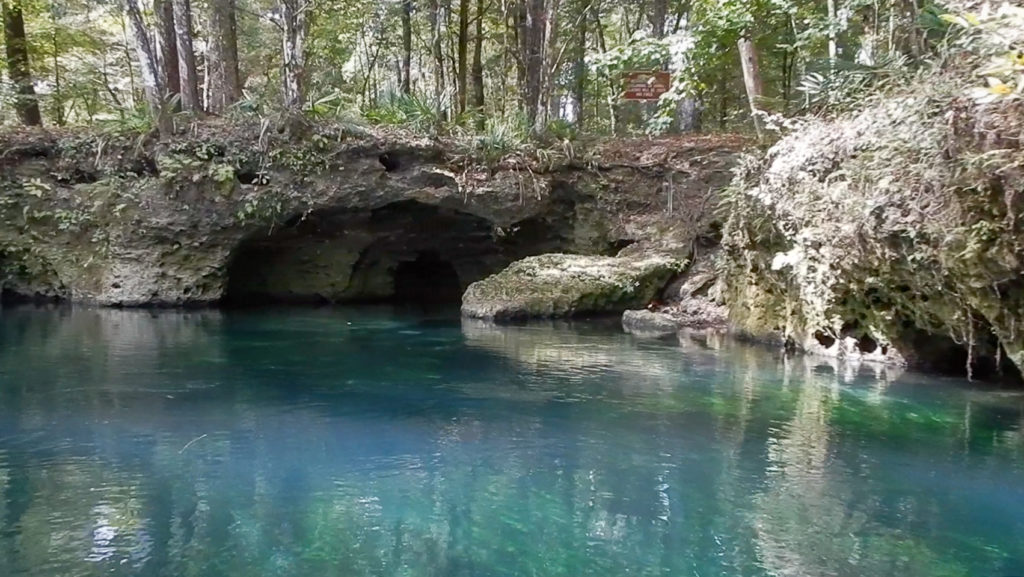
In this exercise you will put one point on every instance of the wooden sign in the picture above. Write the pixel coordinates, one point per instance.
(646, 85)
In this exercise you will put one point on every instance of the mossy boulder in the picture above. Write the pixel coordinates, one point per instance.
(562, 285)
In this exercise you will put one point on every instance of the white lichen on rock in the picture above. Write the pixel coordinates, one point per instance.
(888, 223)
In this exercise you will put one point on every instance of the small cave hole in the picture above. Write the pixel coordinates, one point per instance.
(427, 280)
(253, 177)
(824, 339)
(389, 161)
(617, 245)
(78, 176)
(144, 166)
(867, 345)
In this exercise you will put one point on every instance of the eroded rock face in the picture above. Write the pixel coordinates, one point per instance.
(692, 300)
(872, 229)
(561, 285)
(237, 213)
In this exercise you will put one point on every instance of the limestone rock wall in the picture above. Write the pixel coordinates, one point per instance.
(126, 220)
(891, 233)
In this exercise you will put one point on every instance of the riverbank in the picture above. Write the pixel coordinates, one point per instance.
(687, 232)
(236, 213)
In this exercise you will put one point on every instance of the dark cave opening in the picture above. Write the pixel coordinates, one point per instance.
(406, 252)
(427, 280)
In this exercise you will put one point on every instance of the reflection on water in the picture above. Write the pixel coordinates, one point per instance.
(365, 442)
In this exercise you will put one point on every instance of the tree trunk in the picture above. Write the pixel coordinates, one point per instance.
(579, 81)
(613, 90)
(225, 87)
(659, 13)
(132, 92)
(186, 56)
(548, 64)
(58, 95)
(462, 84)
(451, 57)
(438, 55)
(406, 70)
(723, 101)
(296, 25)
(147, 63)
(478, 66)
(18, 69)
(752, 80)
(690, 107)
(163, 10)
(537, 32)
(833, 46)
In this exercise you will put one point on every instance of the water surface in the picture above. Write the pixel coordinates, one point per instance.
(364, 442)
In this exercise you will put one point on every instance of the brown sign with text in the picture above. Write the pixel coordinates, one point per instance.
(646, 85)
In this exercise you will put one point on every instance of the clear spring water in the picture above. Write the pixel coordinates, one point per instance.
(322, 443)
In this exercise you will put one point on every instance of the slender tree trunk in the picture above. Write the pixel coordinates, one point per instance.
(833, 45)
(296, 25)
(478, 66)
(657, 17)
(451, 57)
(204, 90)
(752, 80)
(723, 102)
(545, 108)
(579, 81)
(26, 104)
(58, 96)
(225, 87)
(406, 69)
(186, 56)
(462, 82)
(613, 90)
(148, 64)
(163, 10)
(436, 24)
(132, 90)
(509, 49)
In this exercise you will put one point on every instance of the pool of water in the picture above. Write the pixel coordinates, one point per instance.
(359, 442)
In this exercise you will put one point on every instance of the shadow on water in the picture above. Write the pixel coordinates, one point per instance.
(377, 441)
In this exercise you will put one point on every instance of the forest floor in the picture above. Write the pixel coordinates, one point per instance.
(665, 150)
(640, 152)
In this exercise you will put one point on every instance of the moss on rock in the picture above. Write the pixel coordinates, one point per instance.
(561, 285)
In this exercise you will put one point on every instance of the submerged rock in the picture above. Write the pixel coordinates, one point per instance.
(560, 285)
(691, 301)
(649, 323)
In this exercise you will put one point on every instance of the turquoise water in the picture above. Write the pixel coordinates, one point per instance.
(365, 442)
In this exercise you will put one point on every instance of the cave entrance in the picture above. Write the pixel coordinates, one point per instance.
(427, 280)
(404, 252)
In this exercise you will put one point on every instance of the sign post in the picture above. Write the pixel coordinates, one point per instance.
(646, 85)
